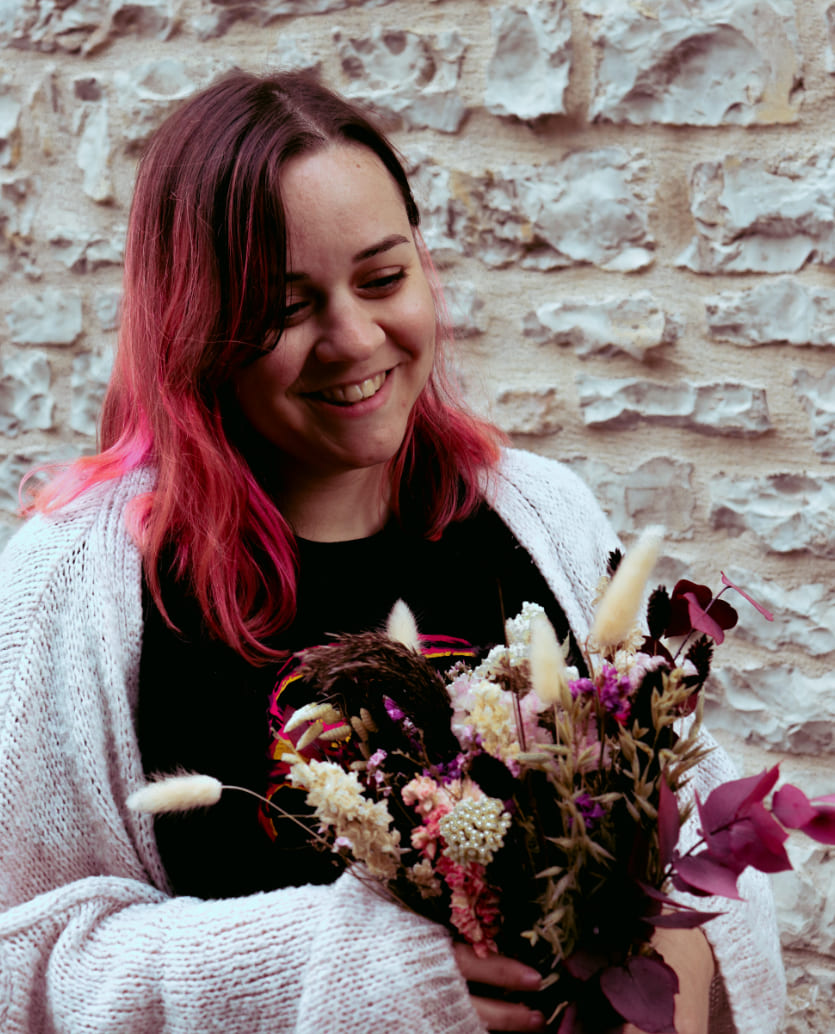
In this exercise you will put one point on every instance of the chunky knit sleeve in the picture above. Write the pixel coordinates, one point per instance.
(90, 940)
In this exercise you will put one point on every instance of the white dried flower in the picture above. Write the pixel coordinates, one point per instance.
(618, 610)
(422, 874)
(311, 733)
(493, 719)
(341, 732)
(336, 797)
(176, 793)
(310, 712)
(402, 627)
(519, 628)
(474, 830)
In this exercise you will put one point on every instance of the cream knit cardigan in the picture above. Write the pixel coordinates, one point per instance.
(91, 942)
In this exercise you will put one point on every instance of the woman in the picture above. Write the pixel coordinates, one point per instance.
(282, 458)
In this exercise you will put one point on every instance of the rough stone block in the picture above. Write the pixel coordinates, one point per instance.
(810, 982)
(466, 308)
(776, 708)
(817, 395)
(531, 62)
(805, 900)
(295, 52)
(411, 76)
(530, 411)
(217, 16)
(88, 383)
(52, 317)
(635, 325)
(84, 250)
(786, 512)
(10, 111)
(657, 491)
(830, 49)
(726, 62)
(12, 468)
(753, 215)
(26, 403)
(731, 410)
(783, 310)
(18, 202)
(106, 305)
(93, 155)
(146, 93)
(803, 617)
(162, 79)
(82, 25)
(588, 208)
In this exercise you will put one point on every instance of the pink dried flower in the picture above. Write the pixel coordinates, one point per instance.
(474, 904)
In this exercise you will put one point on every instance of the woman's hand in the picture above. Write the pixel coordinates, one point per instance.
(690, 955)
(507, 974)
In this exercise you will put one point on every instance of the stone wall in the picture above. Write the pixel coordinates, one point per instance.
(633, 207)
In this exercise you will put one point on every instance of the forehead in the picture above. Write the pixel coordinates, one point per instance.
(340, 196)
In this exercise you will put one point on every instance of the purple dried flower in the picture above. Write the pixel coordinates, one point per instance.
(614, 691)
(579, 686)
(392, 710)
(590, 809)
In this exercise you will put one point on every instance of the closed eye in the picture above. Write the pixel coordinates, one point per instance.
(296, 309)
(382, 284)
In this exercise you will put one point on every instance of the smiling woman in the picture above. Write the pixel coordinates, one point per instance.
(282, 458)
(336, 393)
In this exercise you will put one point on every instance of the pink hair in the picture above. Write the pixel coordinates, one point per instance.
(204, 271)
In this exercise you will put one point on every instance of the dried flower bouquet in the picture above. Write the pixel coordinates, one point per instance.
(532, 807)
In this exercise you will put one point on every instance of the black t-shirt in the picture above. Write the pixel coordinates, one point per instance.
(203, 708)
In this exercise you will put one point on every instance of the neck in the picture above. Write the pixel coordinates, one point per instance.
(350, 505)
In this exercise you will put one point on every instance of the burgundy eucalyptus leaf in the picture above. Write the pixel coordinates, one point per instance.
(678, 622)
(765, 613)
(668, 822)
(822, 827)
(584, 964)
(730, 800)
(643, 992)
(684, 586)
(701, 621)
(568, 1023)
(792, 807)
(658, 895)
(685, 919)
(704, 874)
(722, 613)
(758, 840)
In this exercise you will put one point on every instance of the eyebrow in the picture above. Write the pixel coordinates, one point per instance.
(386, 244)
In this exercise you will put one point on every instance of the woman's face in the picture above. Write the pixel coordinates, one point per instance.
(336, 392)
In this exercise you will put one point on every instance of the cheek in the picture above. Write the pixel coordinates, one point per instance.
(261, 384)
(421, 323)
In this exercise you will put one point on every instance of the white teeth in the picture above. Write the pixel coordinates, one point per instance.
(355, 392)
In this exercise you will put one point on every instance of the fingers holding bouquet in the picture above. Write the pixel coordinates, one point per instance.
(493, 974)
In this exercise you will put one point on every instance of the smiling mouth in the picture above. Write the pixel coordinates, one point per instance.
(349, 394)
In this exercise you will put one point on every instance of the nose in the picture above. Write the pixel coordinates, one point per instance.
(350, 331)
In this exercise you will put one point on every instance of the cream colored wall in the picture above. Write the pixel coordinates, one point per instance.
(633, 208)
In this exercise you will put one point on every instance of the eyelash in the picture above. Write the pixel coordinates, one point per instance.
(293, 309)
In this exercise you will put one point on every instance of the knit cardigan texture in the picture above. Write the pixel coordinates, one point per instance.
(92, 941)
